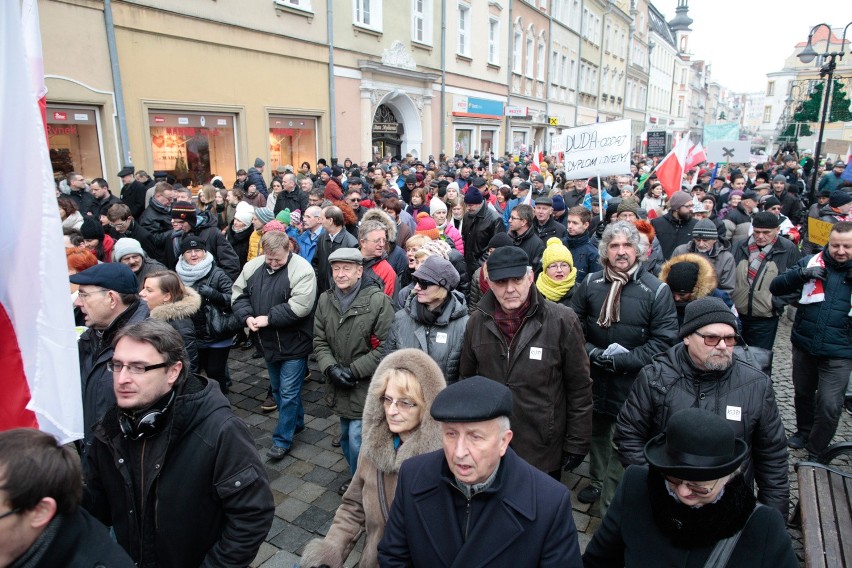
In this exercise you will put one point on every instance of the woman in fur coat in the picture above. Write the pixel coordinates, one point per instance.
(396, 426)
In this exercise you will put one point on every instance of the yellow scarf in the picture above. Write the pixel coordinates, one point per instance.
(555, 290)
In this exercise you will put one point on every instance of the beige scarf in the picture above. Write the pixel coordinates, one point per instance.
(611, 309)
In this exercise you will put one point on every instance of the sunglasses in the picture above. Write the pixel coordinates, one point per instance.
(422, 283)
(713, 340)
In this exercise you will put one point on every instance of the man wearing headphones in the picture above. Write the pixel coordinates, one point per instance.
(172, 469)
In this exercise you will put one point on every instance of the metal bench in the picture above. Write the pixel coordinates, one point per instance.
(825, 509)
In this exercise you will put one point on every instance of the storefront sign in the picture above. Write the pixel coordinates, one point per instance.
(599, 149)
(512, 110)
(477, 108)
(81, 116)
(58, 130)
(386, 128)
(656, 143)
(60, 116)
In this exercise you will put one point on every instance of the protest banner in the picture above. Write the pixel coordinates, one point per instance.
(818, 231)
(729, 151)
(722, 131)
(599, 149)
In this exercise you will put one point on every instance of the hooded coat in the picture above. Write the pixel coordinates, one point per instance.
(366, 504)
(706, 284)
(180, 315)
(442, 341)
(721, 260)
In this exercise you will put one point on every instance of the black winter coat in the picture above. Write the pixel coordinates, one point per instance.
(207, 230)
(256, 178)
(532, 245)
(206, 499)
(180, 315)
(133, 195)
(85, 201)
(239, 242)
(477, 230)
(552, 228)
(743, 394)
(81, 541)
(630, 536)
(325, 246)
(791, 206)
(672, 232)
(157, 220)
(522, 520)
(100, 207)
(296, 199)
(221, 298)
(823, 329)
(648, 326)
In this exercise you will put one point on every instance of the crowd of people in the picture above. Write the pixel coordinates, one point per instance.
(481, 325)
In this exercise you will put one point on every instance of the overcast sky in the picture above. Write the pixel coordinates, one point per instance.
(746, 39)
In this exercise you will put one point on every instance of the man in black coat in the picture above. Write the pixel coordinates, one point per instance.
(477, 503)
(791, 205)
(200, 495)
(132, 191)
(675, 227)
(290, 197)
(157, 219)
(103, 200)
(525, 236)
(255, 177)
(480, 224)
(79, 195)
(42, 486)
(721, 383)
(335, 237)
(545, 225)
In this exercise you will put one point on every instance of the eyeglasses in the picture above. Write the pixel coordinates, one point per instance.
(16, 511)
(692, 486)
(514, 218)
(116, 368)
(713, 340)
(422, 283)
(402, 405)
(563, 266)
(85, 295)
(376, 241)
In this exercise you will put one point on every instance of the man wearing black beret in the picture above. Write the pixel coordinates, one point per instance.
(703, 368)
(517, 337)
(477, 503)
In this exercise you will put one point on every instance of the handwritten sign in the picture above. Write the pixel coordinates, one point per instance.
(599, 149)
(818, 231)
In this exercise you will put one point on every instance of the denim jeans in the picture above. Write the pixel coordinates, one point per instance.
(286, 378)
(350, 441)
(820, 384)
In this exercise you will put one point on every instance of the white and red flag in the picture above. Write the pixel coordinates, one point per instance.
(695, 156)
(38, 348)
(670, 171)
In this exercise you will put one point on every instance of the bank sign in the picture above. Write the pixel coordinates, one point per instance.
(477, 108)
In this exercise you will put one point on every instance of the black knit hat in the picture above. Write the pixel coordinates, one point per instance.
(473, 196)
(683, 276)
(706, 311)
(765, 220)
(191, 242)
(92, 229)
(697, 445)
(185, 211)
(839, 198)
(500, 239)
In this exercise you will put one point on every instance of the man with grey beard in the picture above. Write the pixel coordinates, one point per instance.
(702, 371)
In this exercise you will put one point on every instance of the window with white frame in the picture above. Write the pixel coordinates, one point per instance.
(464, 30)
(554, 70)
(517, 49)
(530, 54)
(574, 17)
(566, 79)
(572, 78)
(607, 38)
(421, 21)
(494, 41)
(623, 51)
(540, 61)
(368, 13)
(304, 5)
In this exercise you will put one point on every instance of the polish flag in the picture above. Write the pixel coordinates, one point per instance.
(848, 154)
(35, 61)
(38, 349)
(695, 156)
(670, 170)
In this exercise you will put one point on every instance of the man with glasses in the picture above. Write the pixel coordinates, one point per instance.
(83, 199)
(354, 196)
(313, 231)
(705, 241)
(702, 370)
(351, 326)
(157, 219)
(41, 522)
(373, 239)
(108, 299)
(172, 469)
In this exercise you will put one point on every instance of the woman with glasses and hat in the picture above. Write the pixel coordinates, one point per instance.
(396, 426)
(433, 317)
(690, 506)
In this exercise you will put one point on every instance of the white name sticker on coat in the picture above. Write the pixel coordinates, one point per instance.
(535, 353)
(734, 413)
(441, 337)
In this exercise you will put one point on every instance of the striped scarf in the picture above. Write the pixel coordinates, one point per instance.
(611, 309)
(756, 256)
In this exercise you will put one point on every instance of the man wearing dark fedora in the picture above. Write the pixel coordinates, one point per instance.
(517, 337)
(477, 503)
(702, 369)
(691, 505)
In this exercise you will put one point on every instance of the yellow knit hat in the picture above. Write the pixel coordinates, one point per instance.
(555, 252)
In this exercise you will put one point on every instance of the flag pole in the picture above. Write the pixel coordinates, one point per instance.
(600, 200)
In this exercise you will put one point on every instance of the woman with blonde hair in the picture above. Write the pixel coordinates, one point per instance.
(396, 426)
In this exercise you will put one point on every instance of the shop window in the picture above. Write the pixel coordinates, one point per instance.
(463, 139)
(73, 142)
(519, 141)
(193, 147)
(487, 142)
(292, 140)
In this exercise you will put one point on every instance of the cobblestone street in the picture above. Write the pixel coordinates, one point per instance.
(305, 483)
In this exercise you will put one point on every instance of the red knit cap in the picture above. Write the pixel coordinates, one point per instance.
(426, 226)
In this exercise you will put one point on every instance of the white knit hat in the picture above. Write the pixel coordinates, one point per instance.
(437, 205)
(125, 246)
(244, 212)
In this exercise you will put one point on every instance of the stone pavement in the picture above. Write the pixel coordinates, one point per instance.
(305, 483)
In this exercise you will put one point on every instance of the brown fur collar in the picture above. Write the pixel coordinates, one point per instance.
(181, 309)
(377, 439)
(376, 214)
(707, 280)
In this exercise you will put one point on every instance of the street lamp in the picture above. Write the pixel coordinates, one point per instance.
(826, 70)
